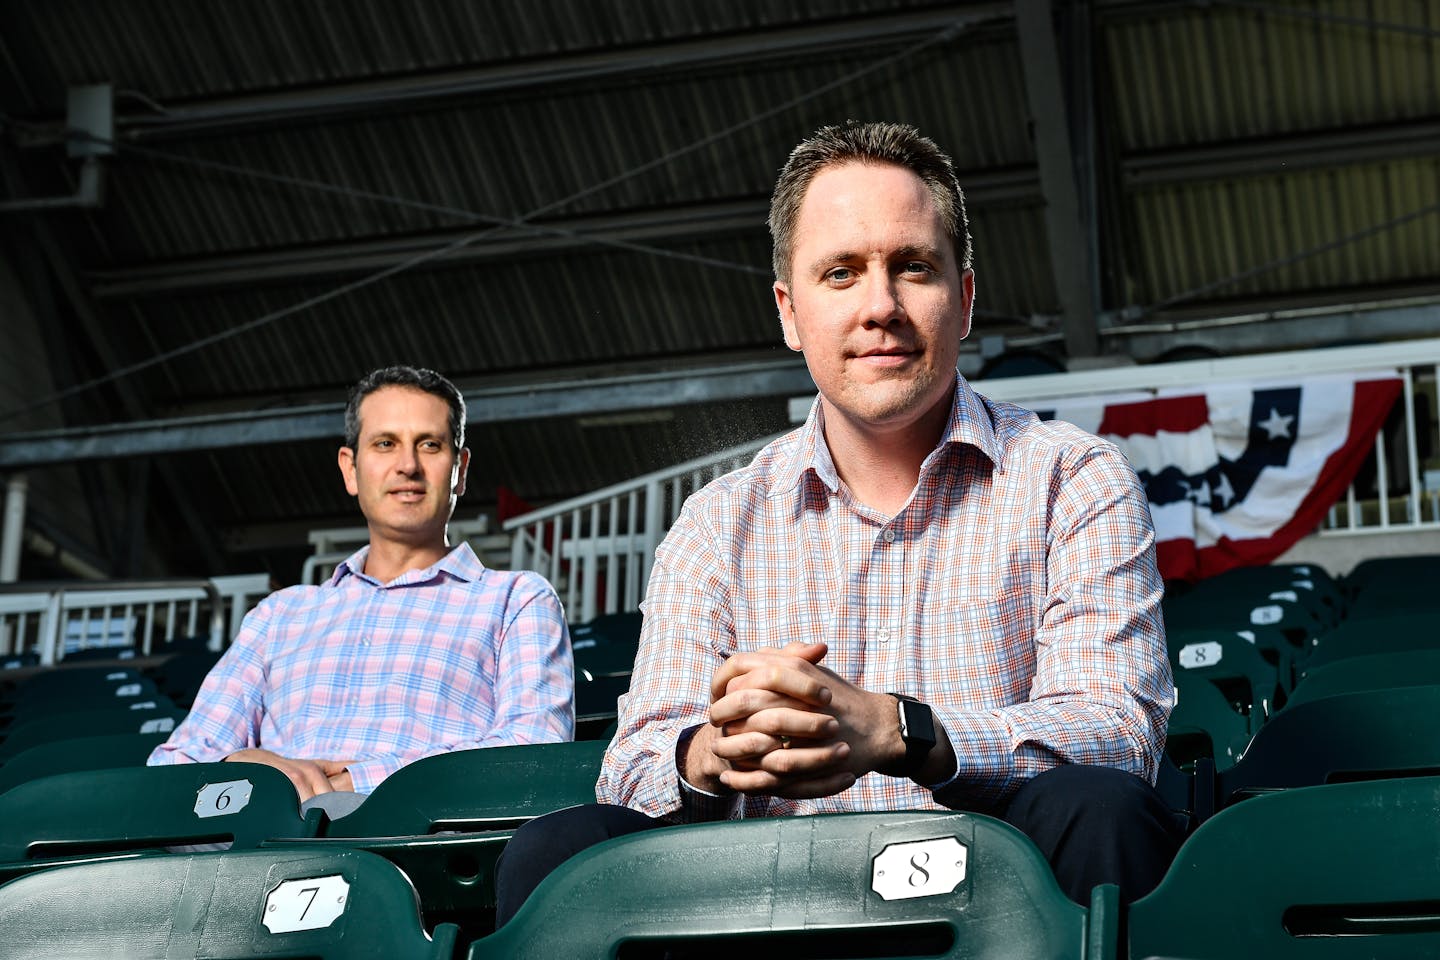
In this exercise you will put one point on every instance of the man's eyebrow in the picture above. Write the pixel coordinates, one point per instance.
(920, 250)
(821, 264)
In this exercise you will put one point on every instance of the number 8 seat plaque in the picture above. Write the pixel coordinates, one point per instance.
(309, 904)
(222, 799)
(920, 868)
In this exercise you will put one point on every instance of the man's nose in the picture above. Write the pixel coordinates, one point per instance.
(882, 305)
(408, 462)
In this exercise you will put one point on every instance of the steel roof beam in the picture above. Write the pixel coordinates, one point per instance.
(206, 116)
(781, 378)
(1066, 230)
(694, 221)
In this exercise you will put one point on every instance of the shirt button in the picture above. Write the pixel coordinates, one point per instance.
(354, 701)
(883, 636)
(365, 641)
(889, 534)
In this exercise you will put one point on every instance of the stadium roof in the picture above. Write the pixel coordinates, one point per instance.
(563, 196)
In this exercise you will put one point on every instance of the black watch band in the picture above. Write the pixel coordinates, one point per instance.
(917, 729)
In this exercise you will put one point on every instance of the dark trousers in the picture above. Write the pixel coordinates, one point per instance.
(1094, 824)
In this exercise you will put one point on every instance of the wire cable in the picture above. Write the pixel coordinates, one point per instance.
(1286, 261)
(499, 223)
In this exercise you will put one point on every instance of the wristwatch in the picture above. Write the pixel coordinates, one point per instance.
(917, 729)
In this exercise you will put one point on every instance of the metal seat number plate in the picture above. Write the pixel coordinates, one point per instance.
(309, 904)
(920, 868)
(222, 799)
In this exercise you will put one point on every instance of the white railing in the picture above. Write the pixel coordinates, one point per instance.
(54, 619)
(336, 544)
(597, 549)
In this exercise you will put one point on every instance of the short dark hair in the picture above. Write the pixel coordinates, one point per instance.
(897, 144)
(402, 376)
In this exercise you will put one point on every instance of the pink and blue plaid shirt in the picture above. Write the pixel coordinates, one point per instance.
(1016, 593)
(451, 657)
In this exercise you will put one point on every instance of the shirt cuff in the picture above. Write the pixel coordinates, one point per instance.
(698, 805)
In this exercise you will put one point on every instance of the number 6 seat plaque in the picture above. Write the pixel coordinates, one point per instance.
(310, 904)
(222, 799)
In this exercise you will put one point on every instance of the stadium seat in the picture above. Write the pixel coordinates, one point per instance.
(75, 682)
(179, 677)
(855, 885)
(76, 816)
(138, 696)
(97, 654)
(1390, 634)
(88, 723)
(1203, 724)
(445, 819)
(1231, 603)
(1420, 572)
(275, 903)
(79, 753)
(1376, 734)
(1376, 671)
(1342, 871)
(1253, 686)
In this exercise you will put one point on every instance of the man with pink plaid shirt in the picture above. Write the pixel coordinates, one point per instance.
(921, 599)
(411, 648)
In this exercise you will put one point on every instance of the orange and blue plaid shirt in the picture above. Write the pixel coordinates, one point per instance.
(450, 657)
(1016, 593)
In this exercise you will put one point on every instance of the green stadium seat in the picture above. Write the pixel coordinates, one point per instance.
(276, 903)
(445, 819)
(1391, 634)
(75, 683)
(1418, 571)
(1253, 686)
(1371, 735)
(895, 884)
(89, 723)
(78, 816)
(1204, 725)
(79, 753)
(1375, 671)
(1341, 871)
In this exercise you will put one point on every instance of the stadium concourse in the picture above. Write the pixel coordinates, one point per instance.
(1298, 749)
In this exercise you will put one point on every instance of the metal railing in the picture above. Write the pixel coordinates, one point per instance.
(54, 619)
(597, 549)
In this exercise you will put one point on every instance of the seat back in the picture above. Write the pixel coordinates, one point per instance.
(1203, 724)
(1310, 873)
(1253, 686)
(282, 903)
(872, 884)
(492, 788)
(1380, 634)
(129, 808)
(137, 718)
(1375, 671)
(79, 753)
(1370, 735)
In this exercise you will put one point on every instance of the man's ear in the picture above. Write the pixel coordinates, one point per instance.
(462, 467)
(347, 470)
(967, 300)
(786, 306)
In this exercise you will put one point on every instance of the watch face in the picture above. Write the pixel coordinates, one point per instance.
(917, 725)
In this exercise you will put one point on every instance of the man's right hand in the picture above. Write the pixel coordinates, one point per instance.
(767, 734)
(309, 776)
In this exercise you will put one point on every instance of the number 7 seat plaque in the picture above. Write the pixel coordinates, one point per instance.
(309, 904)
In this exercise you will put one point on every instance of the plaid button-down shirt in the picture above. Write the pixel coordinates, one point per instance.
(1016, 593)
(451, 657)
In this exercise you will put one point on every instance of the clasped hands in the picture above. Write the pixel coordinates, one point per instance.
(783, 725)
(310, 777)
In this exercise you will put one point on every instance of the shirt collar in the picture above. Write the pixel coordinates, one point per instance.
(461, 563)
(969, 423)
